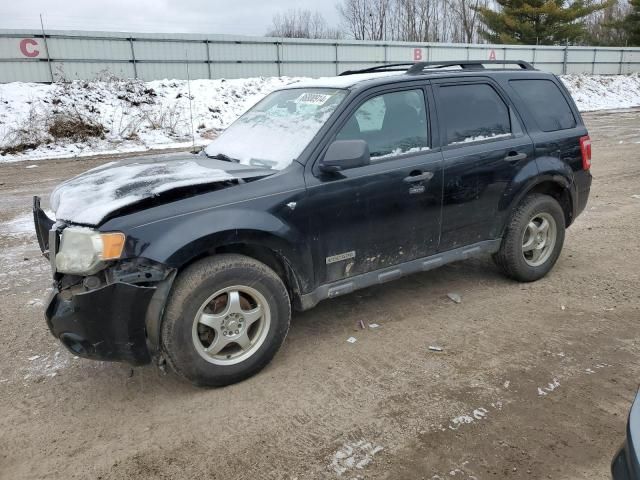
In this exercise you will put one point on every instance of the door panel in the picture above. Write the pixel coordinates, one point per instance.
(485, 150)
(375, 218)
(475, 180)
(384, 213)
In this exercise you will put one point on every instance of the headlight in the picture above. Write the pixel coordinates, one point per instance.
(82, 250)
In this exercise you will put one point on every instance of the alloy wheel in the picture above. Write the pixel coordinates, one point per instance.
(231, 325)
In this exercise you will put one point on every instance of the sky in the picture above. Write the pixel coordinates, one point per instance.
(242, 17)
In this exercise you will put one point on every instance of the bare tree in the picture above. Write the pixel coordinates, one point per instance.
(297, 23)
(414, 20)
(466, 12)
(411, 20)
(354, 15)
(456, 21)
(379, 12)
(605, 26)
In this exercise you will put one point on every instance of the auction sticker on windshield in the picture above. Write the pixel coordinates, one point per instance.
(312, 98)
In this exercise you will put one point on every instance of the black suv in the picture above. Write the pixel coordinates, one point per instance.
(320, 189)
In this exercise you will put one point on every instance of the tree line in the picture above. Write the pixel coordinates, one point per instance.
(526, 22)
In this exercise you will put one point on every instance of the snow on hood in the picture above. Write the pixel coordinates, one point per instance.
(90, 197)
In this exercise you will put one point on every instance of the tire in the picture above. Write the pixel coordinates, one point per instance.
(239, 299)
(516, 256)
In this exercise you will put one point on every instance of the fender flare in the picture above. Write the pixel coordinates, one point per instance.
(556, 179)
(204, 246)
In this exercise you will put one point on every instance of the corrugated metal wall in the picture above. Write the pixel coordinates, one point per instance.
(30, 56)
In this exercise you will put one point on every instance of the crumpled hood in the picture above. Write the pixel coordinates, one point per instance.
(90, 197)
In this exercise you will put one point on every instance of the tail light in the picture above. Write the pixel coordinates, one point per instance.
(585, 150)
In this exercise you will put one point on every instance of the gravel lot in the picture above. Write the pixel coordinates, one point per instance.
(534, 381)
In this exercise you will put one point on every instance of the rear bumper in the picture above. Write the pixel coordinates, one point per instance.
(582, 181)
(103, 324)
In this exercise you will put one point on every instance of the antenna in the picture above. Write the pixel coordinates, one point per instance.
(193, 135)
(46, 49)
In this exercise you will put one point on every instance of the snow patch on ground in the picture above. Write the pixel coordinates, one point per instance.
(22, 225)
(354, 456)
(21, 263)
(476, 415)
(47, 365)
(36, 303)
(139, 116)
(22, 267)
(550, 387)
(456, 472)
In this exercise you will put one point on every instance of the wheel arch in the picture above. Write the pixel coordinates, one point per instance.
(556, 186)
(561, 192)
(275, 252)
(292, 265)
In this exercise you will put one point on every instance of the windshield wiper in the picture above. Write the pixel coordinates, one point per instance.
(222, 156)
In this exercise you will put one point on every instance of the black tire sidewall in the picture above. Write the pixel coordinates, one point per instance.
(178, 324)
(513, 256)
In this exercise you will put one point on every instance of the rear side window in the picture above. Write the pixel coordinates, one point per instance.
(546, 103)
(473, 113)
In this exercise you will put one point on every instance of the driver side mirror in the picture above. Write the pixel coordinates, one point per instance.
(345, 154)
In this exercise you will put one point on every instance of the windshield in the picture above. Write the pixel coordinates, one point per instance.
(275, 131)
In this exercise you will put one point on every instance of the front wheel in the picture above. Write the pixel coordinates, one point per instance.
(226, 318)
(533, 239)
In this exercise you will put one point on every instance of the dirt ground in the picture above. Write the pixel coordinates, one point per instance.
(534, 381)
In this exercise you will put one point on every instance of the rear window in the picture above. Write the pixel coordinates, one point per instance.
(546, 103)
(473, 113)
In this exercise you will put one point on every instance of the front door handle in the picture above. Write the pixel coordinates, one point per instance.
(420, 177)
(515, 156)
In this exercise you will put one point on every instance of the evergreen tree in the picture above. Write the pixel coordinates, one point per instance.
(631, 23)
(543, 22)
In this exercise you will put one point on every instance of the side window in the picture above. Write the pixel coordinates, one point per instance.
(371, 115)
(546, 103)
(473, 113)
(392, 124)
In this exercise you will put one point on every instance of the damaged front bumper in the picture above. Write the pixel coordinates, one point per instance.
(107, 323)
(112, 315)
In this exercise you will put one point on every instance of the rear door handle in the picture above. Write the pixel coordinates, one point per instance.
(515, 156)
(421, 177)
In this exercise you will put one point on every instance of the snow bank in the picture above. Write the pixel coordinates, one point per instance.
(604, 92)
(139, 115)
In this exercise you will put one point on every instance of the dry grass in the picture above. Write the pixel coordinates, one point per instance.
(75, 127)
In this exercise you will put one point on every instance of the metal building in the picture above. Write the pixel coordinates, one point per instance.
(30, 56)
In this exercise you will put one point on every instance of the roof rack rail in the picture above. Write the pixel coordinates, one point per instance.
(419, 67)
(387, 67)
(467, 65)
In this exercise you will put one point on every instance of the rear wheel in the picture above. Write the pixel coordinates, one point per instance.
(225, 320)
(533, 239)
